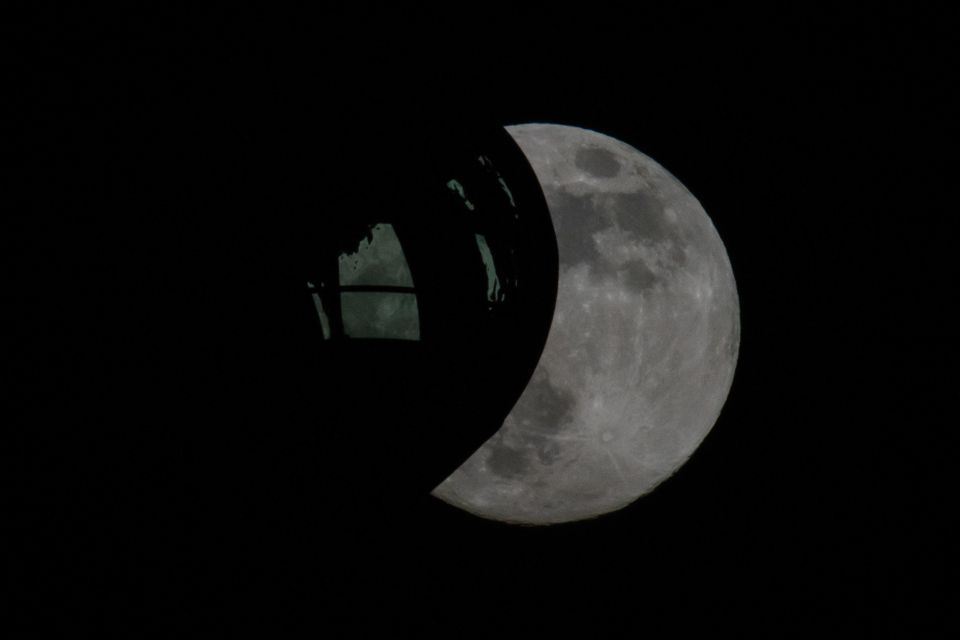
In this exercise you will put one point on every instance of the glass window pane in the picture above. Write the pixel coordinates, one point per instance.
(324, 321)
(380, 314)
(494, 290)
(377, 261)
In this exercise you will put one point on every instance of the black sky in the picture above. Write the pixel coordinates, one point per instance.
(818, 142)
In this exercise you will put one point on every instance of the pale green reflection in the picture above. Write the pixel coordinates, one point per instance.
(494, 293)
(454, 185)
(318, 305)
(380, 314)
(379, 260)
(486, 162)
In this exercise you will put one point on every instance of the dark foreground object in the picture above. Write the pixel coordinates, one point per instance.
(190, 443)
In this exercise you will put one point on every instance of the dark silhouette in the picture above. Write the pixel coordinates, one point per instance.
(185, 439)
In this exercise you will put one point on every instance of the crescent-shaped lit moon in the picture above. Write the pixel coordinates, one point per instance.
(641, 351)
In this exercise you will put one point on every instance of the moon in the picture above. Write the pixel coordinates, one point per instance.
(642, 347)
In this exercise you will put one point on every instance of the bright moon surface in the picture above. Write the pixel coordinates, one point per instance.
(642, 347)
